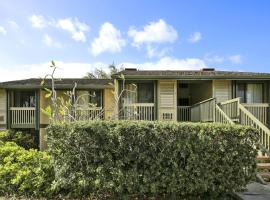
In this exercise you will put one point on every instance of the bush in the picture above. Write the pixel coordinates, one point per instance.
(151, 159)
(24, 172)
(24, 139)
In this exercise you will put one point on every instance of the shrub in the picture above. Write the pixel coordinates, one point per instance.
(151, 159)
(24, 172)
(24, 139)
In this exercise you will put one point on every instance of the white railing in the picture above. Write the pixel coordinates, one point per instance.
(247, 118)
(23, 115)
(86, 114)
(221, 116)
(230, 108)
(204, 111)
(139, 111)
(183, 113)
(259, 110)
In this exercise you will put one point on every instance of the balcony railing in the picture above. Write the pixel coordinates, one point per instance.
(86, 114)
(259, 110)
(23, 115)
(139, 111)
(183, 113)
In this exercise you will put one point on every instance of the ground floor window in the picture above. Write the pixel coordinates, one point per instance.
(96, 98)
(24, 99)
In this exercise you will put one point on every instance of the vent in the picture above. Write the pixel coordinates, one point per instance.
(2, 118)
(130, 69)
(167, 116)
(208, 69)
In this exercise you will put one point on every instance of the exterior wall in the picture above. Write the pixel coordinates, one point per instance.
(43, 139)
(3, 108)
(167, 100)
(109, 103)
(222, 90)
(44, 102)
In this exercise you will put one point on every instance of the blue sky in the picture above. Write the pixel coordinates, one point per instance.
(181, 34)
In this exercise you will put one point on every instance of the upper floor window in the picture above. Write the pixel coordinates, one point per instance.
(95, 98)
(250, 92)
(24, 99)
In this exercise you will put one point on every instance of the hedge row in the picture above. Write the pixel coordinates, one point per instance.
(24, 172)
(150, 159)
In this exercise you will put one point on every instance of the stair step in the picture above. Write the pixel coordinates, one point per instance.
(263, 165)
(263, 158)
(264, 174)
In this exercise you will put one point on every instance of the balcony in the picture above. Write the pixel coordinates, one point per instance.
(22, 117)
(139, 111)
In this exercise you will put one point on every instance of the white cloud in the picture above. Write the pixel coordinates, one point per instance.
(236, 59)
(156, 52)
(48, 41)
(3, 30)
(74, 26)
(38, 21)
(169, 63)
(109, 40)
(13, 24)
(195, 37)
(154, 32)
(78, 70)
(65, 70)
(152, 36)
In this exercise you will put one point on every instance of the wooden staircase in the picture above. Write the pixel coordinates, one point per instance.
(263, 167)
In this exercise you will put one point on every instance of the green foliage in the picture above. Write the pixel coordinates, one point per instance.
(151, 159)
(24, 139)
(24, 172)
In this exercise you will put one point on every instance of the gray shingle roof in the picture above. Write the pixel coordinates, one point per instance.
(191, 74)
(64, 83)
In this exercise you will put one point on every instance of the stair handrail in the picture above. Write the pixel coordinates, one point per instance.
(199, 106)
(264, 136)
(227, 107)
(223, 114)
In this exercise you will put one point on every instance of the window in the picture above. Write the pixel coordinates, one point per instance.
(183, 85)
(24, 99)
(250, 92)
(145, 92)
(183, 101)
(96, 98)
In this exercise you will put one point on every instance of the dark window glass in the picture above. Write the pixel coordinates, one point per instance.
(241, 91)
(183, 85)
(145, 92)
(24, 99)
(96, 98)
(183, 101)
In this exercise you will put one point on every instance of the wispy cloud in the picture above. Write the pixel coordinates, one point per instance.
(13, 24)
(49, 42)
(38, 21)
(170, 63)
(108, 40)
(73, 26)
(3, 30)
(195, 37)
(234, 59)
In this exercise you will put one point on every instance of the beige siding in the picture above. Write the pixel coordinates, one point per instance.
(222, 90)
(3, 106)
(109, 103)
(167, 97)
(44, 102)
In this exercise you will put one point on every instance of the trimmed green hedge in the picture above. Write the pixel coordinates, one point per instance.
(151, 159)
(25, 172)
(21, 138)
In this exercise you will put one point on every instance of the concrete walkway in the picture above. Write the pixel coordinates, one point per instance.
(256, 191)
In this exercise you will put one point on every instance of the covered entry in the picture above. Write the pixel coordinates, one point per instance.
(188, 94)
